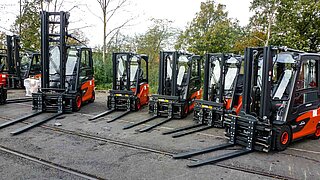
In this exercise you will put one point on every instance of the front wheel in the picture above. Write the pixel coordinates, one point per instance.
(77, 103)
(317, 133)
(283, 137)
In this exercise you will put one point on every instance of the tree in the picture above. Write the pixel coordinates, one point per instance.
(210, 31)
(249, 38)
(2, 40)
(159, 36)
(264, 18)
(288, 23)
(108, 11)
(298, 25)
(30, 24)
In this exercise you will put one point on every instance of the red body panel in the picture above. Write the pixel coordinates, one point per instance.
(143, 95)
(196, 95)
(237, 106)
(3, 79)
(88, 88)
(311, 126)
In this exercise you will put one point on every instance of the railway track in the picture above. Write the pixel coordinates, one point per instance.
(49, 164)
(137, 147)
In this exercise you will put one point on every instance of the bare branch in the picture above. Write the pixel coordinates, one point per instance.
(83, 27)
(112, 37)
(119, 27)
(94, 13)
(115, 9)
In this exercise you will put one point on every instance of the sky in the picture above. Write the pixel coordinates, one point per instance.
(87, 12)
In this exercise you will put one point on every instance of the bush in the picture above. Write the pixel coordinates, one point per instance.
(103, 71)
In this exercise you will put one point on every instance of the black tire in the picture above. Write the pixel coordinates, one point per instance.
(316, 134)
(93, 97)
(283, 137)
(138, 105)
(76, 103)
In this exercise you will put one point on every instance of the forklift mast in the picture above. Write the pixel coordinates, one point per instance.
(128, 71)
(176, 69)
(14, 62)
(13, 54)
(222, 78)
(59, 40)
(253, 56)
(213, 63)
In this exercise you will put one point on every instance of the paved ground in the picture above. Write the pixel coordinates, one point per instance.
(114, 160)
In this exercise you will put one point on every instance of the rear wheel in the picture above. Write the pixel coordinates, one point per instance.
(283, 137)
(77, 103)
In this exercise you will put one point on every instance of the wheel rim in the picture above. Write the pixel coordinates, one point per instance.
(78, 102)
(318, 132)
(284, 138)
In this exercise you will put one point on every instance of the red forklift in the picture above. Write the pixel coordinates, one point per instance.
(66, 75)
(130, 86)
(3, 77)
(16, 65)
(280, 104)
(222, 94)
(179, 86)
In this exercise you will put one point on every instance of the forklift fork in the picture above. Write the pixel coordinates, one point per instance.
(191, 131)
(155, 125)
(220, 158)
(19, 119)
(34, 124)
(202, 151)
(182, 129)
(246, 140)
(19, 100)
(102, 114)
(119, 116)
(140, 122)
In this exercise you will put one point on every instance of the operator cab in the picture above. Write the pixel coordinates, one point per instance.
(187, 67)
(30, 64)
(233, 79)
(132, 65)
(75, 55)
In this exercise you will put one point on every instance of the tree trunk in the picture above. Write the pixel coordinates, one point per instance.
(268, 32)
(104, 31)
